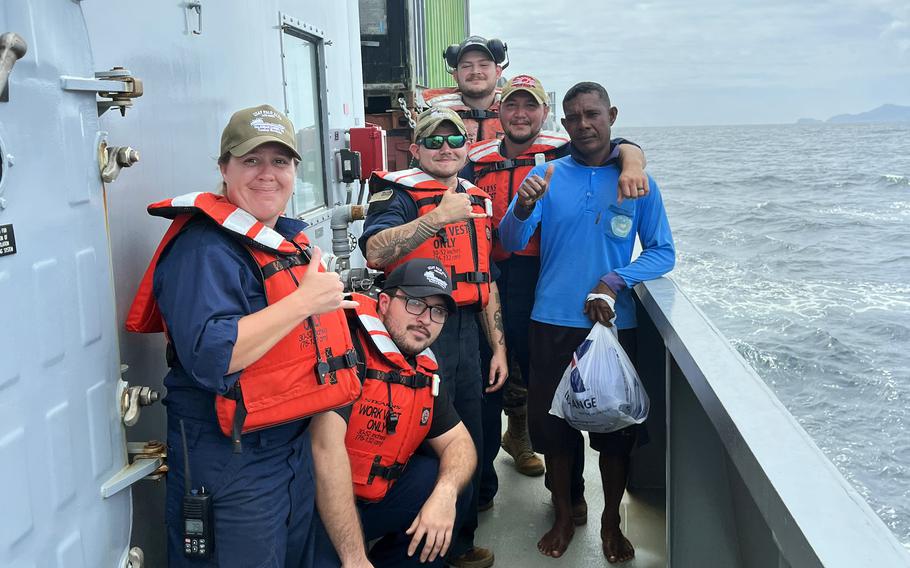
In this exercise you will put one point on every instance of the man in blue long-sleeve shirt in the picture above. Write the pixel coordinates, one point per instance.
(587, 237)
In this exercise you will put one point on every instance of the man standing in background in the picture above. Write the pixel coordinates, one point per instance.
(476, 65)
(587, 233)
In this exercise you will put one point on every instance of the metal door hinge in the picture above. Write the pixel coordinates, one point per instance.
(148, 460)
(118, 85)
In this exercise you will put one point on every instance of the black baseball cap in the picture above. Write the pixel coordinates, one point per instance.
(422, 278)
(474, 43)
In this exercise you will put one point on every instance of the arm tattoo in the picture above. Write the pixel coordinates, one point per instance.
(389, 245)
(493, 321)
(497, 317)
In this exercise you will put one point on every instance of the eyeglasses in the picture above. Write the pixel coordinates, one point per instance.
(415, 307)
(435, 142)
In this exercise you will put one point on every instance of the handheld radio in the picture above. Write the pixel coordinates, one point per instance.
(197, 513)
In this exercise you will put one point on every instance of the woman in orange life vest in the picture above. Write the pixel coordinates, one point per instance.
(257, 343)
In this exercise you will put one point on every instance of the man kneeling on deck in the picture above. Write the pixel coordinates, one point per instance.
(404, 498)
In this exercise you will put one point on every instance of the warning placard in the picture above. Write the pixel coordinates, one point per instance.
(7, 240)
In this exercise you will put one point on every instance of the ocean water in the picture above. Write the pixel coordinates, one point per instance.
(795, 241)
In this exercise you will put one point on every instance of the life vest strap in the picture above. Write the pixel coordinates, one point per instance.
(506, 164)
(348, 360)
(436, 199)
(239, 417)
(477, 114)
(416, 381)
(279, 264)
(471, 277)
(390, 472)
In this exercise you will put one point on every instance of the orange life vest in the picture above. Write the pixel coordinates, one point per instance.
(481, 124)
(310, 370)
(501, 177)
(395, 411)
(463, 248)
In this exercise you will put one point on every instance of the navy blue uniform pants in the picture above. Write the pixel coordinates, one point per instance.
(388, 519)
(459, 367)
(516, 283)
(263, 497)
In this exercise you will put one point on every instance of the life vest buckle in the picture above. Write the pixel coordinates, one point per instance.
(478, 114)
(472, 277)
(389, 473)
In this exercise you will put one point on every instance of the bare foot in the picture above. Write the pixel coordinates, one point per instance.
(557, 539)
(616, 546)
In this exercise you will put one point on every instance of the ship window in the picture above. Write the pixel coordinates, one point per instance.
(302, 90)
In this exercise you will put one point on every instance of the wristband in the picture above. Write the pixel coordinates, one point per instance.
(605, 297)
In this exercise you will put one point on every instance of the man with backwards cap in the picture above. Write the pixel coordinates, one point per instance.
(404, 498)
(428, 212)
(498, 167)
(476, 64)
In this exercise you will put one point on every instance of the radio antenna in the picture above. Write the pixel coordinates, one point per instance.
(187, 480)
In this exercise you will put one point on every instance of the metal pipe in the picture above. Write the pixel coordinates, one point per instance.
(342, 217)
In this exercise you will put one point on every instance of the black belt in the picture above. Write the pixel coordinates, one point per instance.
(417, 381)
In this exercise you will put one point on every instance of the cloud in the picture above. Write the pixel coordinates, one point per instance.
(665, 49)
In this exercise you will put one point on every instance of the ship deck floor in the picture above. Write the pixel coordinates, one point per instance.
(522, 512)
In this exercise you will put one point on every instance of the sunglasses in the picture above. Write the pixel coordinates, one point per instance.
(435, 142)
(438, 314)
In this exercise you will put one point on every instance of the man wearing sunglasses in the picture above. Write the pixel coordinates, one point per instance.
(428, 212)
(408, 501)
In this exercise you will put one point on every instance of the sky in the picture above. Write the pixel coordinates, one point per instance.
(669, 63)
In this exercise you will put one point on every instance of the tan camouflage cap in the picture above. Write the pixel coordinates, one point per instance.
(430, 119)
(527, 84)
(253, 126)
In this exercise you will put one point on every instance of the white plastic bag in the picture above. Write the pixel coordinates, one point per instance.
(600, 390)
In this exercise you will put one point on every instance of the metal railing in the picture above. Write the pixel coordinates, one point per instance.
(746, 486)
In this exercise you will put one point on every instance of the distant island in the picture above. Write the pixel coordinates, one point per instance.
(884, 113)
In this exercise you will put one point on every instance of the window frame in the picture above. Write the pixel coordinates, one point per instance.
(298, 29)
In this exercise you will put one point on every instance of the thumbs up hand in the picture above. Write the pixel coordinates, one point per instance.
(322, 291)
